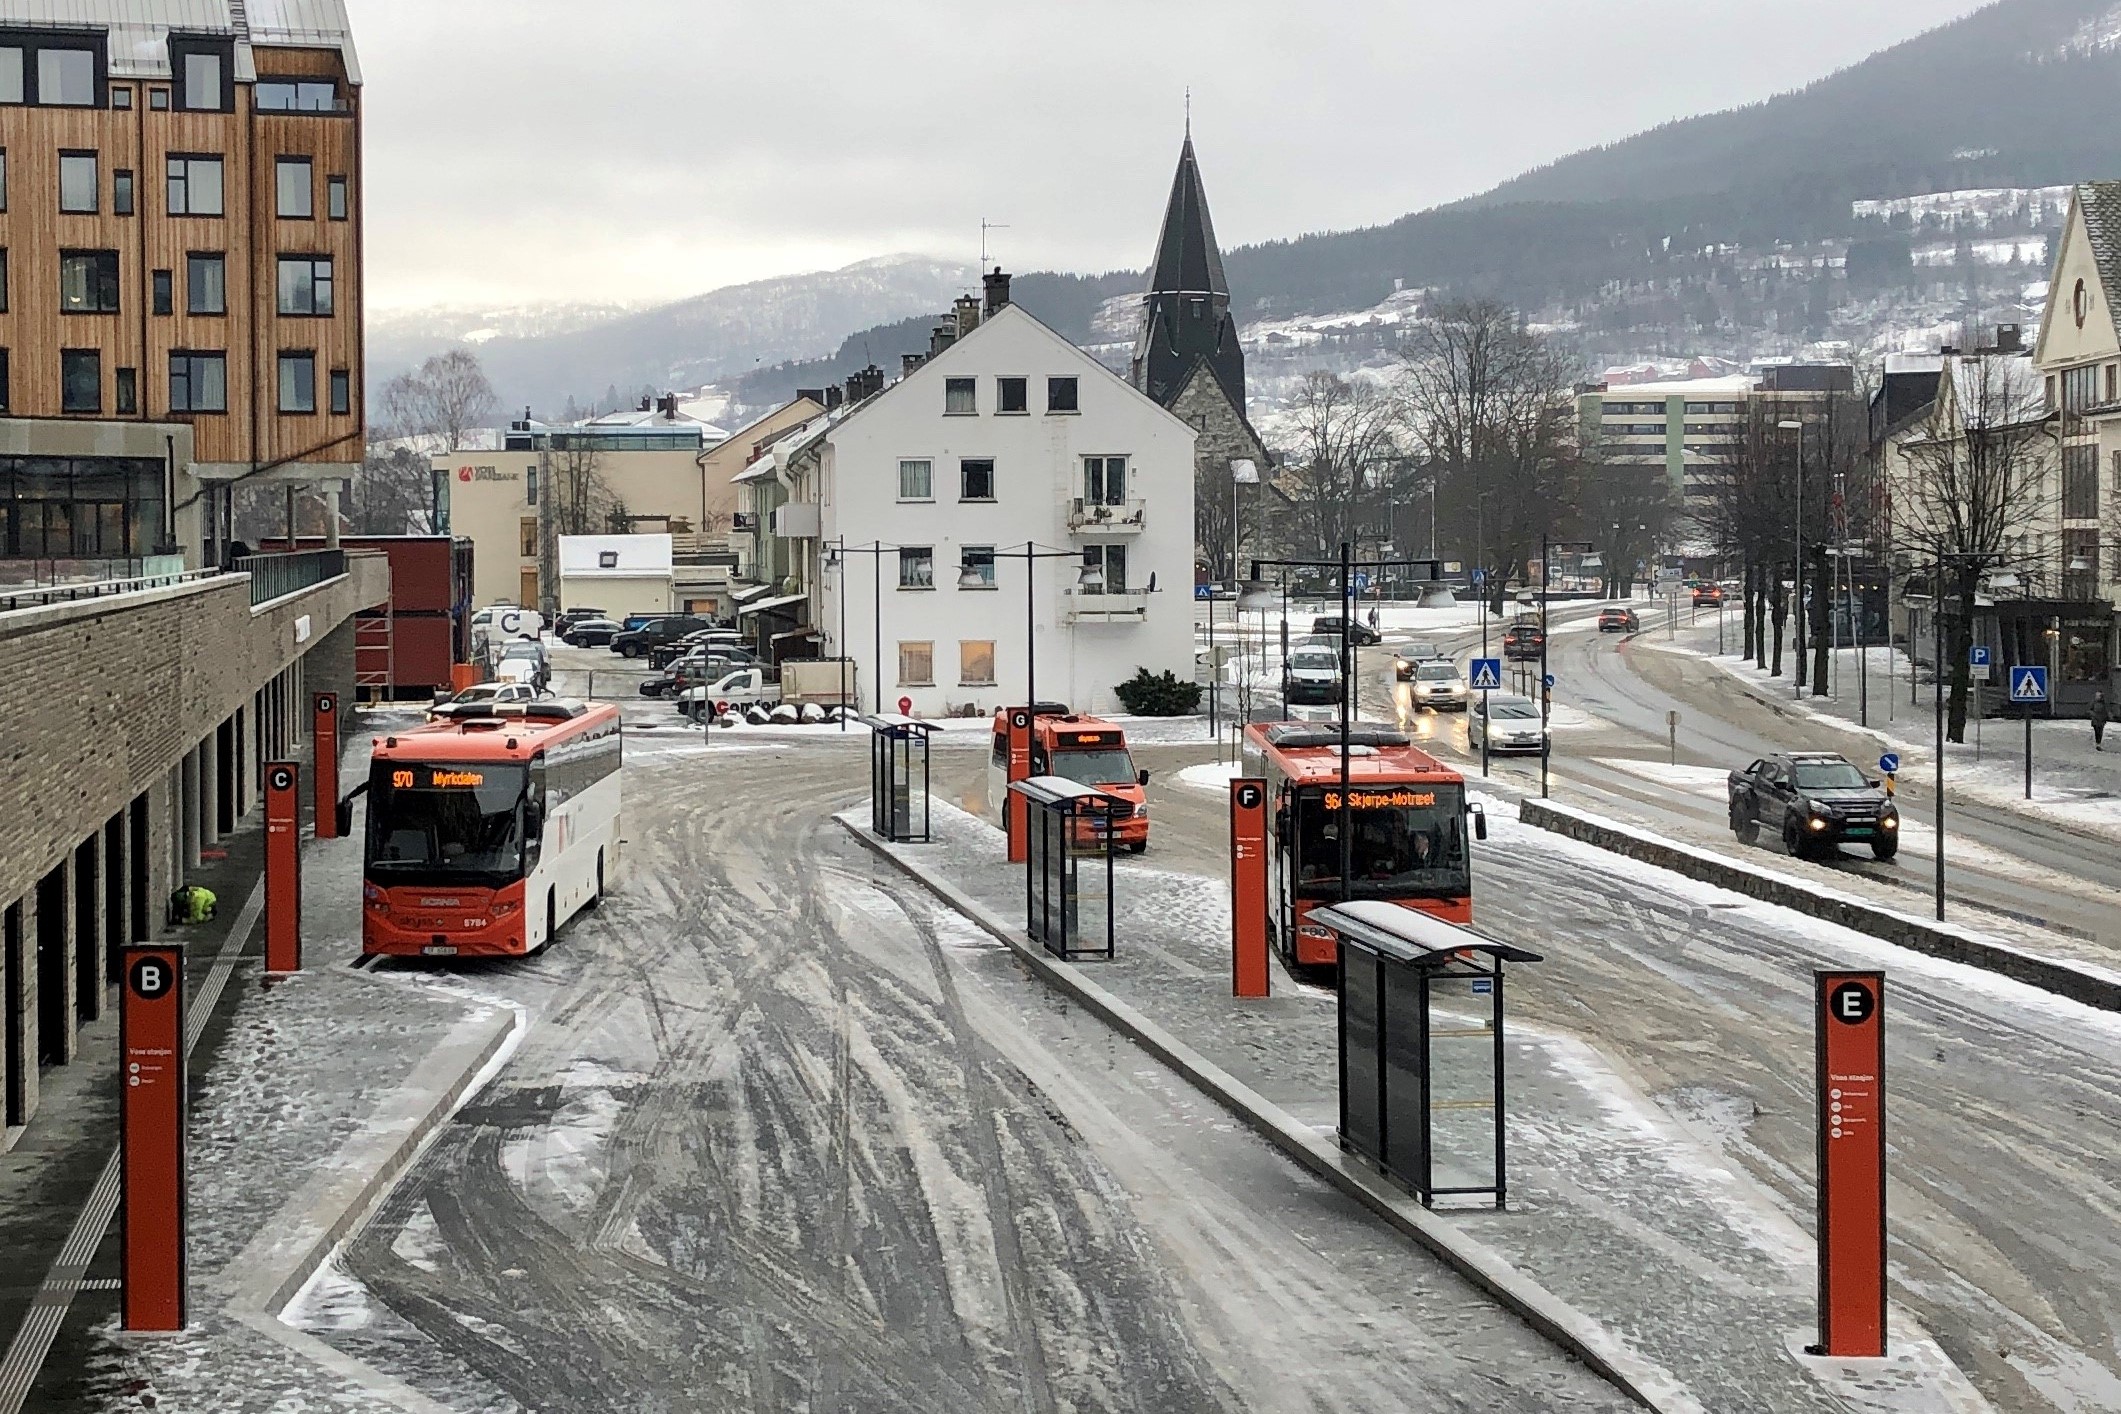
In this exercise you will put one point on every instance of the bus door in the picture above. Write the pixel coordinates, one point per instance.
(1281, 877)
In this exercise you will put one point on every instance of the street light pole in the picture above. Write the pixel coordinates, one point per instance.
(1937, 629)
(1347, 699)
(1797, 570)
(1546, 694)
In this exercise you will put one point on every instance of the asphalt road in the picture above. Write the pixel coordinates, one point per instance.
(783, 1136)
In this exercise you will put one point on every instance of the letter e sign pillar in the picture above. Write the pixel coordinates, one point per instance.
(1850, 1017)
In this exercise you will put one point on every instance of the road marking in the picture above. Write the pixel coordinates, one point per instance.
(33, 1342)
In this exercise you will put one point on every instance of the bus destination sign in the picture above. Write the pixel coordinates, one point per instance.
(1382, 799)
(437, 778)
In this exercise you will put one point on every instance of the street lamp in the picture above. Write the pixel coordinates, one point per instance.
(836, 558)
(1091, 580)
(1797, 570)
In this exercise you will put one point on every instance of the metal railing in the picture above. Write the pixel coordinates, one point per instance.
(28, 596)
(276, 576)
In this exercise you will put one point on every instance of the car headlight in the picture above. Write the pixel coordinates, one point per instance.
(1889, 822)
(1817, 823)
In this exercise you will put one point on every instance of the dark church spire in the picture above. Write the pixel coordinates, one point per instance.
(1187, 315)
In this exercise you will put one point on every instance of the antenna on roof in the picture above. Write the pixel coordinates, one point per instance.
(985, 226)
(1189, 112)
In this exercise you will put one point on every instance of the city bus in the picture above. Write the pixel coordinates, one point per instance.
(489, 829)
(1410, 824)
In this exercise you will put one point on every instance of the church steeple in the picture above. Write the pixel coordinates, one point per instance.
(1187, 308)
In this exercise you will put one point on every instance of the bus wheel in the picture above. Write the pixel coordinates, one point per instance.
(597, 897)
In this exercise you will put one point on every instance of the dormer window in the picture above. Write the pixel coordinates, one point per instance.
(202, 67)
(202, 82)
(66, 78)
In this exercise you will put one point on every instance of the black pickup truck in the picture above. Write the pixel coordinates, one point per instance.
(1816, 801)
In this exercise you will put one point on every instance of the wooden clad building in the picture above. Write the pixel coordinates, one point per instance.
(180, 267)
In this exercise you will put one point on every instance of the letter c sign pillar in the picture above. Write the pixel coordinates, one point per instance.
(1850, 1016)
(1248, 888)
(324, 735)
(151, 1114)
(283, 867)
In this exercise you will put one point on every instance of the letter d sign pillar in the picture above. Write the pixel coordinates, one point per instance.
(1248, 889)
(324, 733)
(151, 1113)
(283, 867)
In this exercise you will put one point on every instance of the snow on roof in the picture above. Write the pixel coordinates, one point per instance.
(139, 29)
(614, 556)
(1914, 363)
(1685, 387)
(764, 606)
(1997, 390)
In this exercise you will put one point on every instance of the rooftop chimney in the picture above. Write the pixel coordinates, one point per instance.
(966, 311)
(997, 285)
(909, 362)
(646, 403)
(865, 384)
(831, 398)
(667, 405)
(2010, 338)
(941, 337)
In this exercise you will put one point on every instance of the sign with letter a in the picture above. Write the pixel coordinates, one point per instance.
(151, 1112)
(1850, 1016)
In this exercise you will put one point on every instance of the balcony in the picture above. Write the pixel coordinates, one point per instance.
(1088, 517)
(1117, 606)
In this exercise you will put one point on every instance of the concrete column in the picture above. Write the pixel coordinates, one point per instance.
(188, 813)
(55, 943)
(210, 788)
(161, 844)
(18, 1011)
(117, 889)
(243, 770)
(331, 516)
(87, 936)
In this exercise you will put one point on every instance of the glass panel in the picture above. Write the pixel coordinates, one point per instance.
(207, 278)
(298, 383)
(205, 181)
(296, 294)
(1361, 1120)
(915, 481)
(336, 190)
(77, 181)
(66, 77)
(1405, 1123)
(1060, 395)
(1462, 1080)
(202, 81)
(449, 833)
(960, 395)
(81, 380)
(341, 392)
(10, 74)
(975, 662)
(294, 186)
(121, 193)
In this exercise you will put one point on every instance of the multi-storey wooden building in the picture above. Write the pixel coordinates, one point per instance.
(180, 267)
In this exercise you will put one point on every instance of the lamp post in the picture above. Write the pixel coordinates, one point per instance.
(1090, 579)
(1797, 569)
(836, 557)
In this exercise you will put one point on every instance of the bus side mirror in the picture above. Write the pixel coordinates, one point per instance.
(345, 817)
(1141, 777)
(1480, 823)
(534, 821)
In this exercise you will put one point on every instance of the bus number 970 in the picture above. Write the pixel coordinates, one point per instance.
(401, 780)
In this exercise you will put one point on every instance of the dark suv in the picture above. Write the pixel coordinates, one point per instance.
(1333, 626)
(1523, 640)
(635, 643)
(1816, 801)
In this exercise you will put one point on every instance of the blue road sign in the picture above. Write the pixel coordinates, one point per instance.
(1550, 680)
(1480, 577)
(1361, 581)
(2028, 684)
(1203, 591)
(1487, 674)
(1890, 763)
(1977, 657)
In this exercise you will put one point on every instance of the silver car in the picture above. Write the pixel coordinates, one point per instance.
(1438, 685)
(1515, 722)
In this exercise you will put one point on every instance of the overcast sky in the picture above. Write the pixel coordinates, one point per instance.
(536, 150)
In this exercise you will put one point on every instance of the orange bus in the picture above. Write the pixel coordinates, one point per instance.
(489, 829)
(1410, 829)
(1089, 751)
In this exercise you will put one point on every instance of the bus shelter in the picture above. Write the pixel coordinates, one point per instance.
(1422, 1075)
(897, 747)
(1069, 847)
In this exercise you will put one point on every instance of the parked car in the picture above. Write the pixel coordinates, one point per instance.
(1334, 625)
(568, 619)
(746, 687)
(701, 665)
(591, 633)
(664, 653)
(1439, 685)
(1523, 640)
(532, 652)
(1619, 618)
(1311, 676)
(1817, 801)
(1505, 722)
(636, 643)
(483, 694)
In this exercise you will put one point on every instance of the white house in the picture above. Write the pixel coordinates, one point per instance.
(914, 507)
(620, 574)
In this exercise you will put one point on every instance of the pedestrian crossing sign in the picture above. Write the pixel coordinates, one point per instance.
(2028, 684)
(1487, 674)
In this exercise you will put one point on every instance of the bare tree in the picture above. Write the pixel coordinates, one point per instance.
(1974, 486)
(1344, 443)
(1623, 508)
(573, 499)
(443, 401)
(393, 492)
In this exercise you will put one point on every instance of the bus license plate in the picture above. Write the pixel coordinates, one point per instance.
(438, 950)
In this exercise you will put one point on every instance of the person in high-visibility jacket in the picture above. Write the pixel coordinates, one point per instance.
(192, 904)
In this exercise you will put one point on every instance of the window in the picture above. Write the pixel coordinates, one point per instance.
(1012, 395)
(527, 530)
(916, 481)
(530, 485)
(1111, 560)
(78, 183)
(198, 382)
(298, 382)
(158, 99)
(3, 179)
(975, 662)
(2080, 482)
(80, 380)
(66, 78)
(335, 198)
(3, 380)
(1105, 481)
(2080, 387)
(202, 83)
(341, 392)
(916, 664)
(121, 191)
(979, 559)
(976, 479)
(121, 97)
(3, 279)
(2113, 382)
(297, 96)
(305, 284)
(88, 282)
(165, 292)
(11, 74)
(295, 187)
(128, 392)
(206, 283)
(195, 186)
(1061, 395)
(916, 567)
(960, 397)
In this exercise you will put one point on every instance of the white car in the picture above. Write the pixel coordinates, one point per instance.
(1438, 685)
(1515, 721)
(486, 692)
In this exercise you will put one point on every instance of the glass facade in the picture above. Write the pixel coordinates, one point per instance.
(79, 508)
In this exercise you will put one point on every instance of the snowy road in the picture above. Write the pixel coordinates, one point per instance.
(784, 1137)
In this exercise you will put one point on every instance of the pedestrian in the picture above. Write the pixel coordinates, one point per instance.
(2100, 717)
(1373, 617)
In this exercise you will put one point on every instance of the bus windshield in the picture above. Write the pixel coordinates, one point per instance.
(1407, 842)
(1094, 768)
(448, 825)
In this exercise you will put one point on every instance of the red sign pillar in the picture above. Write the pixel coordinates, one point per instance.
(283, 867)
(1249, 976)
(151, 1113)
(324, 733)
(1851, 1041)
(1016, 812)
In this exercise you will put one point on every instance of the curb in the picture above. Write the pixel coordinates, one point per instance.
(1917, 935)
(1576, 1334)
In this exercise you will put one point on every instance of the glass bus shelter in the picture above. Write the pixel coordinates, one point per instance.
(896, 746)
(1069, 848)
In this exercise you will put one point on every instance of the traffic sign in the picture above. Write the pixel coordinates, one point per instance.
(1487, 674)
(1361, 581)
(1977, 656)
(1889, 763)
(1549, 681)
(1480, 577)
(2028, 684)
(1203, 591)
(905, 706)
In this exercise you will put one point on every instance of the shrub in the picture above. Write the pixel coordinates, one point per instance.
(1149, 694)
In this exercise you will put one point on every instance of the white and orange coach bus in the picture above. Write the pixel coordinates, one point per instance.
(489, 828)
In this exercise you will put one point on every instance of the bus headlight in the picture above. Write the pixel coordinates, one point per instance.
(1312, 930)
(375, 898)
